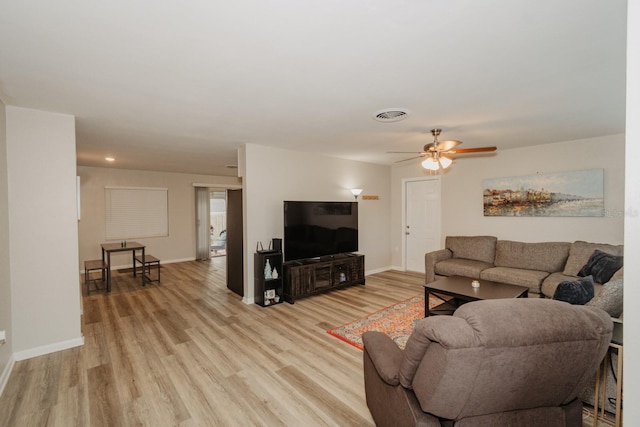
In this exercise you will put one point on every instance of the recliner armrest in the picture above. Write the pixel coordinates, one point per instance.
(430, 260)
(385, 355)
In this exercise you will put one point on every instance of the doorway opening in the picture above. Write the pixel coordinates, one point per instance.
(218, 223)
(219, 231)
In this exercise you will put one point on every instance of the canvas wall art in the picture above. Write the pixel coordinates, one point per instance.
(576, 193)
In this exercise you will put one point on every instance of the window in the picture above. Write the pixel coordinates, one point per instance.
(136, 212)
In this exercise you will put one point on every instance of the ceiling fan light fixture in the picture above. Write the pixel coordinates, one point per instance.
(445, 161)
(436, 152)
(431, 164)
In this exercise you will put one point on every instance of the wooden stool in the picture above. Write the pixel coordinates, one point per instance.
(146, 263)
(94, 265)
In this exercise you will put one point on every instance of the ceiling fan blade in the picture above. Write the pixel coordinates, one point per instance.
(471, 150)
(447, 145)
(406, 152)
(410, 158)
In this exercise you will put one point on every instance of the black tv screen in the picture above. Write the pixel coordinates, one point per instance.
(317, 229)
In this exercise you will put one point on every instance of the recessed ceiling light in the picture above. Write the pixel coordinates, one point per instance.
(389, 115)
(110, 159)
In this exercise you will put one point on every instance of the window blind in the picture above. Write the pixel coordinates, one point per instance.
(136, 212)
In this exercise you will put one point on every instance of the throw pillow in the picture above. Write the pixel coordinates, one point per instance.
(578, 292)
(610, 298)
(601, 266)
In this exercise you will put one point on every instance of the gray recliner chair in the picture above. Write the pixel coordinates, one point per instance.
(512, 362)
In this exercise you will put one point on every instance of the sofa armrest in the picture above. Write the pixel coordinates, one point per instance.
(430, 261)
(385, 355)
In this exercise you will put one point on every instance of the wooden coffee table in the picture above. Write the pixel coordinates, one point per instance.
(460, 290)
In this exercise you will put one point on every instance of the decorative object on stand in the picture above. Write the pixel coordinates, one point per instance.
(274, 273)
(267, 271)
(436, 150)
(356, 192)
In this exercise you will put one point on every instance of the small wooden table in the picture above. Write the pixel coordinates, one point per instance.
(601, 378)
(460, 290)
(108, 248)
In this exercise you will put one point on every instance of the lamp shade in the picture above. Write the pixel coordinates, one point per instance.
(445, 161)
(431, 164)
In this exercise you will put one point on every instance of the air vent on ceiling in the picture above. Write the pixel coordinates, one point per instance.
(391, 115)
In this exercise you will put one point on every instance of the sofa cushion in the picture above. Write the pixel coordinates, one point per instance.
(448, 331)
(548, 256)
(516, 276)
(610, 298)
(461, 267)
(578, 292)
(580, 253)
(618, 275)
(430, 261)
(602, 266)
(479, 248)
(552, 281)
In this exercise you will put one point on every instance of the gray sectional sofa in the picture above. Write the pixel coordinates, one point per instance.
(538, 266)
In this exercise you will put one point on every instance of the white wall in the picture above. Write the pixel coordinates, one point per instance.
(5, 274)
(462, 210)
(180, 245)
(462, 191)
(43, 232)
(631, 411)
(274, 175)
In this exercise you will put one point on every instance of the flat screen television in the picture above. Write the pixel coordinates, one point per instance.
(319, 229)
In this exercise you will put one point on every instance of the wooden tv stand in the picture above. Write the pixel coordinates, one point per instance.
(304, 278)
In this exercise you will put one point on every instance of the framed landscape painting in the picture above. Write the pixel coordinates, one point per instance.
(577, 193)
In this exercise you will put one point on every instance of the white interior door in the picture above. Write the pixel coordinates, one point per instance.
(422, 221)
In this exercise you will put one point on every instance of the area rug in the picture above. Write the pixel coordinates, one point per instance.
(396, 321)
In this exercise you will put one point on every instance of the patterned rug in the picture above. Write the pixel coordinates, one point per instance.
(396, 321)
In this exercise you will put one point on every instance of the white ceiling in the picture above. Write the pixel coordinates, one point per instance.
(179, 86)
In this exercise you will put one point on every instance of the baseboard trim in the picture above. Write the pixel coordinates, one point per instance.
(47, 349)
(6, 373)
(377, 270)
(171, 261)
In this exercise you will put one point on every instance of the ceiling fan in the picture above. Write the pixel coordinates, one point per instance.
(437, 152)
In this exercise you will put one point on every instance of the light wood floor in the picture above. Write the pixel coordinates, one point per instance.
(188, 352)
